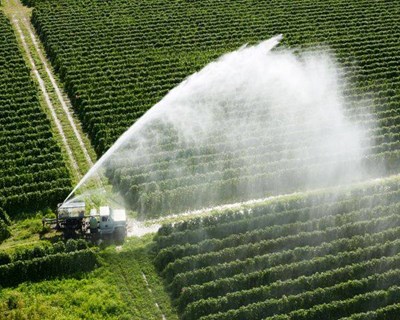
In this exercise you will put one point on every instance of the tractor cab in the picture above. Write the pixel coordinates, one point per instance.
(106, 224)
(112, 221)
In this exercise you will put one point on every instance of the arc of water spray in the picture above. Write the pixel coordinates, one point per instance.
(267, 45)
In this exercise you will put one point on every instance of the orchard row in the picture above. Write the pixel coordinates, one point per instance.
(32, 172)
(287, 258)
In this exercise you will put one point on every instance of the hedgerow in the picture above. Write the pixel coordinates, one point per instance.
(262, 240)
(342, 308)
(43, 250)
(47, 267)
(215, 272)
(385, 313)
(328, 295)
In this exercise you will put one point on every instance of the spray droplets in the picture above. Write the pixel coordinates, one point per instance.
(251, 124)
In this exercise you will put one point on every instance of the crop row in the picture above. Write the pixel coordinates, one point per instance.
(285, 257)
(356, 198)
(157, 202)
(118, 59)
(385, 313)
(308, 299)
(243, 265)
(344, 308)
(265, 277)
(33, 174)
(277, 289)
(47, 267)
(222, 226)
(225, 26)
(40, 251)
(257, 263)
(155, 198)
(201, 160)
(274, 243)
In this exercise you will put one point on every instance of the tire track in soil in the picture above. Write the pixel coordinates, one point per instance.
(127, 282)
(61, 99)
(151, 292)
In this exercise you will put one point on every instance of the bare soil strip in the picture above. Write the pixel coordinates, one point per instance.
(60, 97)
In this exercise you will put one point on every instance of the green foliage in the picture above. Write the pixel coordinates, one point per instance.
(41, 250)
(32, 172)
(47, 267)
(213, 272)
(4, 216)
(114, 289)
(28, 3)
(318, 257)
(290, 286)
(59, 247)
(91, 295)
(386, 313)
(111, 88)
(4, 258)
(4, 225)
(247, 227)
(341, 291)
(4, 231)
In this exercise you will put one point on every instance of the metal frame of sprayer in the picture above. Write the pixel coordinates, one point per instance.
(72, 219)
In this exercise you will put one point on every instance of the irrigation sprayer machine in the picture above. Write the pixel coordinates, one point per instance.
(74, 220)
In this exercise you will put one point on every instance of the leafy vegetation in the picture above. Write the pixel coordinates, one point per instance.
(58, 281)
(320, 256)
(4, 225)
(125, 55)
(32, 172)
(89, 296)
(46, 267)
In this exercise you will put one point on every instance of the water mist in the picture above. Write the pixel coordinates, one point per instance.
(254, 123)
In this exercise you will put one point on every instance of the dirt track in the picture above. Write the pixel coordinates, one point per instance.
(60, 97)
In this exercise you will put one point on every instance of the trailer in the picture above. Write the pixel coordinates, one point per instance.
(74, 221)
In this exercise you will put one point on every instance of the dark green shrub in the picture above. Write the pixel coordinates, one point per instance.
(4, 216)
(71, 245)
(4, 258)
(4, 231)
(47, 267)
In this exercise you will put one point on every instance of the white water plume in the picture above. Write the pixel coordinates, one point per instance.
(253, 123)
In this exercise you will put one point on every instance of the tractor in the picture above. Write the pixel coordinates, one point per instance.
(74, 220)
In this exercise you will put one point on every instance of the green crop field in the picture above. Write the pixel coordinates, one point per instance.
(118, 58)
(310, 251)
(32, 172)
(322, 256)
